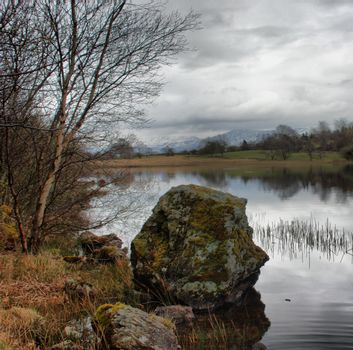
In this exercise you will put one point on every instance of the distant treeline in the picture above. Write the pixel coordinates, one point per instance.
(286, 140)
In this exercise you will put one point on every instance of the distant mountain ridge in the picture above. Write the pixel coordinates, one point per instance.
(234, 137)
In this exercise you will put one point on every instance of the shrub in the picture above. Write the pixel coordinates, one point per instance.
(347, 152)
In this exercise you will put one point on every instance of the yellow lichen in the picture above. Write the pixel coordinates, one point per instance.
(159, 254)
(105, 312)
(165, 321)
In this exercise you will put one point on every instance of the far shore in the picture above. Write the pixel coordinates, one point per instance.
(198, 161)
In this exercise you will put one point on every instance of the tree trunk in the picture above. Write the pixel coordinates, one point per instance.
(35, 239)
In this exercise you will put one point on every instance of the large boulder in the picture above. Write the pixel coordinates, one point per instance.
(128, 328)
(197, 249)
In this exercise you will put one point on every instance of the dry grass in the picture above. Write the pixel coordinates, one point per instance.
(33, 285)
(175, 161)
(198, 161)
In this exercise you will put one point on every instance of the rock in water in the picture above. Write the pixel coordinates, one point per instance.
(197, 249)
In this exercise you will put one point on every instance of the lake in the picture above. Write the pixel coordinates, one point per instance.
(302, 217)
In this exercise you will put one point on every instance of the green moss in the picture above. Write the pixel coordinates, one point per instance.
(105, 312)
(252, 250)
(210, 217)
(159, 254)
(215, 254)
(140, 246)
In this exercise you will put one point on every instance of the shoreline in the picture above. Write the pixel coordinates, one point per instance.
(179, 161)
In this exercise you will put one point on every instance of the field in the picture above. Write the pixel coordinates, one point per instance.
(239, 158)
(264, 155)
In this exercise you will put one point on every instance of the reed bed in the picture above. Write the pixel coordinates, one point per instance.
(299, 238)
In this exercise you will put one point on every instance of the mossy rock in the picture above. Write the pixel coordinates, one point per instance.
(128, 328)
(197, 248)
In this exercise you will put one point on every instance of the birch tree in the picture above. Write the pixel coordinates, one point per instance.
(86, 64)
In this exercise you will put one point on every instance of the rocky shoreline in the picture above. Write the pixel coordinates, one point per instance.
(193, 258)
(187, 285)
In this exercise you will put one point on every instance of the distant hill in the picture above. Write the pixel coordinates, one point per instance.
(178, 144)
(233, 137)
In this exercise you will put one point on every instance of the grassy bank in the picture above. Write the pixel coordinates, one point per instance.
(34, 308)
(239, 158)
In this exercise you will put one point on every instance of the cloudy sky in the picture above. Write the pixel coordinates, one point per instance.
(257, 64)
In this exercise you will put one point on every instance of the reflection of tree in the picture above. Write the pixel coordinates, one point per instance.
(287, 182)
(235, 327)
(213, 178)
(168, 176)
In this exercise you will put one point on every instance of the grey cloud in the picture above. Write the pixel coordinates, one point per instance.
(346, 81)
(261, 63)
(267, 31)
(334, 3)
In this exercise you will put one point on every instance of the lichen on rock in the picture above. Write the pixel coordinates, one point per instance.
(127, 328)
(197, 248)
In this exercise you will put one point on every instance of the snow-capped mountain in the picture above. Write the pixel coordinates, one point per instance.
(236, 136)
(178, 144)
(233, 137)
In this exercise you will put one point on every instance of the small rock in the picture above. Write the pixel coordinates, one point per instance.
(77, 290)
(108, 254)
(90, 242)
(66, 345)
(180, 315)
(82, 332)
(128, 328)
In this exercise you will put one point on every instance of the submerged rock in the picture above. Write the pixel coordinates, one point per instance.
(128, 328)
(197, 248)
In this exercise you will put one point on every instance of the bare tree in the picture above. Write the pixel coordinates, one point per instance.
(84, 65)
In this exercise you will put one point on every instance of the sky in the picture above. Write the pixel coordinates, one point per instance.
(256, 64)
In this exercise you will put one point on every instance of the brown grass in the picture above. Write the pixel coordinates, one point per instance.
(33, 285)
(164, 161)
(195, 161)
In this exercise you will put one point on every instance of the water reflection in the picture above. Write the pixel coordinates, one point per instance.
(234, 328)
(303, 218)
(288, 181)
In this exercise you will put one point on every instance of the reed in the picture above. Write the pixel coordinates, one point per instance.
(299, 238)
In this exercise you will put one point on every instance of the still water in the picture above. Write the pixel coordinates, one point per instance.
(303, 218)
